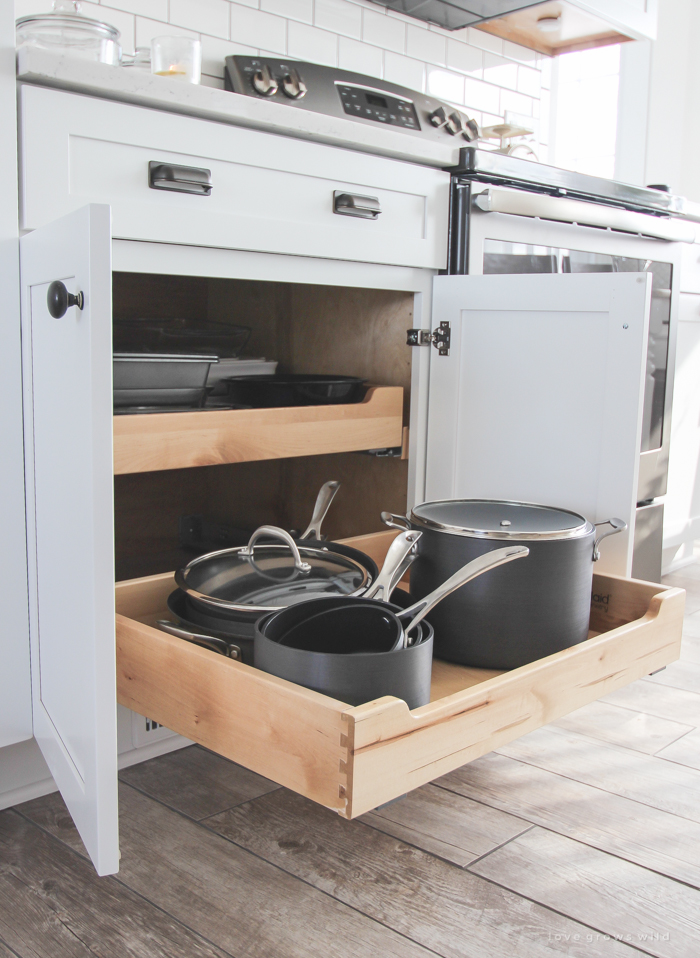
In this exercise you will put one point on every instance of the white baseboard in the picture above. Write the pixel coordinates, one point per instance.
(37, 789)
(137, 755)
(679, 564)
(26, 793)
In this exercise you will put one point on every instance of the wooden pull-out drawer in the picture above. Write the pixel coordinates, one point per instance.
(352, 759)
(207, 438)
(269, 193)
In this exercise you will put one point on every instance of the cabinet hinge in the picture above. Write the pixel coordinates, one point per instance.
(440, 338)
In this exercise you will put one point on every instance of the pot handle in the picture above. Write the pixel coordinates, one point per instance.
(324, 498)
(210, 642)
(618, 525)
(396, 522)
(276, 533)
(411, 616)
(399, 557)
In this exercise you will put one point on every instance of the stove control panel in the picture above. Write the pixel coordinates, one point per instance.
(320, 89)
(381, 107)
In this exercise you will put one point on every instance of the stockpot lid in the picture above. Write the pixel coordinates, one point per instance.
(233, 579)
(499, 519)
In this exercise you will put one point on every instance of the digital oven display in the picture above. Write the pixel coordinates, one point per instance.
(383, 108)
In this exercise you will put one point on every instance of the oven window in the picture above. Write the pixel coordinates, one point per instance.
(503, 257)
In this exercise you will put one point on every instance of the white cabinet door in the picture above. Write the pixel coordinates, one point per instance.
(540, 398)
(68, 436)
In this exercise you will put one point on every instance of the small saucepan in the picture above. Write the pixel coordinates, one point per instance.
(359, 649)
(229, 589)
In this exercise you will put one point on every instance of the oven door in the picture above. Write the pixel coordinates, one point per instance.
(496, 242)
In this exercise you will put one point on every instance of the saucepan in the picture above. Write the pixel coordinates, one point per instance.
(227, 590)
(357, 649)
(274, 581)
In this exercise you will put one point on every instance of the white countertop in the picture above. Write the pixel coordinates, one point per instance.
(161, 93)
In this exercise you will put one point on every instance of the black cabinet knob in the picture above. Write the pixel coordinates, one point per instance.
(58, 299)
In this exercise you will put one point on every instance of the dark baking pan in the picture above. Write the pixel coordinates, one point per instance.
(160, 371)
(180, 400)
(180, 336)
(295, 390)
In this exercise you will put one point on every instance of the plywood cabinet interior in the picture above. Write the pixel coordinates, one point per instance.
(242, 468)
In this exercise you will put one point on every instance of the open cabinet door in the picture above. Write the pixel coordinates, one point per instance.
(68, 438)
(541, 396)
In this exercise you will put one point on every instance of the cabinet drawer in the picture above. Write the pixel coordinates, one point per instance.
(269, 193)
(352, 759)
(690, 268)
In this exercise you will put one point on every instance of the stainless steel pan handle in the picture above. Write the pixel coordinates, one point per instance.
(618, 525)
(395, 522)
(395, 565)
(325, 496)
(210, 642)
(490, 560)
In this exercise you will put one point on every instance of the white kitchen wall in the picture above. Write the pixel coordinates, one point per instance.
(482, 74)
(586, 110)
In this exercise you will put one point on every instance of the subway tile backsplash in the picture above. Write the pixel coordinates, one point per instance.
(474, 70)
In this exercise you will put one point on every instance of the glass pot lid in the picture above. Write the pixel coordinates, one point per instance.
(263, 576)
(499, 519)
(65, 27)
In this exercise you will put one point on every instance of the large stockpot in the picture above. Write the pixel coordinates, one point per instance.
(520, 612)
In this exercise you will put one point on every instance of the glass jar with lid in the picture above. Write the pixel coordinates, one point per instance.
(66, 31)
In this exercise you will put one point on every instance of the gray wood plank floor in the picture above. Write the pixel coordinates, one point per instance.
(581, 839)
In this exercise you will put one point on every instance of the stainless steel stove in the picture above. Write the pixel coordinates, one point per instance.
(335, 92)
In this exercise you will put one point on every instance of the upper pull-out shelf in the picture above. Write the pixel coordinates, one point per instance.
(208, 438)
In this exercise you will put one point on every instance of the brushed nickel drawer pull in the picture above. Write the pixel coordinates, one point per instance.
(351, 204)
(179, 179)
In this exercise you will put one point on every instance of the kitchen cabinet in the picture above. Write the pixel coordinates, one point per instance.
(690, 268)
(682, 507)
(15, 686)
(582, 24)
(569, 24)
(267, 192)
(348, 759)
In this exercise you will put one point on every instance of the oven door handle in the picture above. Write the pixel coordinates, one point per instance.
(563, 210)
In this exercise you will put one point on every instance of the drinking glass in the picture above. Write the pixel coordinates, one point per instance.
(177, 57)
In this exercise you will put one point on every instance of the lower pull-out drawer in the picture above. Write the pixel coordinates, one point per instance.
(353, 759)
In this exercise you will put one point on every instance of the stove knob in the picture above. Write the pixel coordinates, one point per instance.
(471, 131)
(264, 83)
(439, 117)
(293, 86)
(455, 123)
